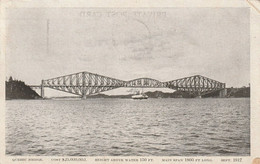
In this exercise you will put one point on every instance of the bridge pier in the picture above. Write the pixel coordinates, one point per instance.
(42, 89)
(84, 97)
(223, 93)
(198, 95)
(83, 92)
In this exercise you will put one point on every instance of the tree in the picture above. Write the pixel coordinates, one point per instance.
(10, 79)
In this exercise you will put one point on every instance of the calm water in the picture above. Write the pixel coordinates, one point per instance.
(158, 127)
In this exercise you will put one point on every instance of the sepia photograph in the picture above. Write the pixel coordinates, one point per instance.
(127, 82)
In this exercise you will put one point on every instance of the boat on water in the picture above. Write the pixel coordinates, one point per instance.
(139, 96)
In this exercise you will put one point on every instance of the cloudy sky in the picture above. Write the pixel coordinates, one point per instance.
(160, 43)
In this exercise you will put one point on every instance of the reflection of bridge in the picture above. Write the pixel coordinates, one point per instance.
(86, 83)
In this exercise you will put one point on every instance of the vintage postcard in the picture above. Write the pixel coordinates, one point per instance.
(130, 83)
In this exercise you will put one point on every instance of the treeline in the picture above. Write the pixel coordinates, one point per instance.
(17, 89)
(231, 93)
(238, 92)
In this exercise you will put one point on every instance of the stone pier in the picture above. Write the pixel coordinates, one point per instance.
(223, 93)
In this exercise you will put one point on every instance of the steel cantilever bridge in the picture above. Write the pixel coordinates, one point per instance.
(86, 83)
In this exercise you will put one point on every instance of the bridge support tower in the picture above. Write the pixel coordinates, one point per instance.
(198, 95)
(42, 89)
(223, 93)
(83, 86)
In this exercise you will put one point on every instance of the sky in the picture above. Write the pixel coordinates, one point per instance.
(160, 43)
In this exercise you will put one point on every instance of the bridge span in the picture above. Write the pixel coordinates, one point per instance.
(86, 83)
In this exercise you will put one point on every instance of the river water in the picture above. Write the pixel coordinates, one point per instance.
(124, 127)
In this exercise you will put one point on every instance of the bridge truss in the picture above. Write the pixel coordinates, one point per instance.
(198, 85)
(86, 83)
